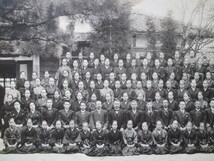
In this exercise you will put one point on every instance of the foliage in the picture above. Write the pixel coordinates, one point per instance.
(151, 35)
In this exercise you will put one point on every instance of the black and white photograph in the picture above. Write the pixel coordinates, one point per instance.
(121, 80)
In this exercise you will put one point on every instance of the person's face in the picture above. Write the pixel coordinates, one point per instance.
(184, 77)
(9, 98)
(200, 96)
(196, 76)
(88, 75)
(91, 56)
(212, 104)
(27, 84)
(175, 124)
(182, 84)
(193, 84)
(106, 84)
(134, 105)
(44, 125)
(46, 75)
(168, 84)
(197, 105)
(49, 103)
(140, 97)
(107, 62)
(72, 124)
(169, 62)
(12, 85)
(145, 62)
(51, 81)
(172, 76)
(116, 57)
(98, 125)
(160, 84)
(144, 127)
(165, 104)
(157, 97)
(58, 125)
(75, 64)
(120, 63)
(170, 96)
(65, 84)
(81, 85)
(27, 94)
(116, 105)
(102, 58)
(157, 63)
(161, 55)
(68, 55)
(149, 105)
(32, 106)
(129, 124)
(128, 84)
(208, 76)
(155, 76)
(186, 97)
(125, 96)
(34, 76)
(98, 105)
(64, 62)
(80, 56)
(43, 93)
(67, 106)
(99, 77)
(92, 85)
(23, 75)
(83, 106)
(108, 97)
(123, 77)
(192, 54)
(139, 85)
(96, 62)
(56, 95)
(29, 124)
(202, 127)
(177, 55)
(17, 106)
(111, 76)
(76, 76)
(137, 56)
(12, 123)
(93, 97)
(85, 63)
(148, 84)
(79, 96)
(38, 82)
(85, 127)
(182, 106)
(65, 73)
(143, 76)
(133, 62)
(128, 57)
(114, 126)
(205, 84)
(133, 76)
(159, 125)
(189, 126)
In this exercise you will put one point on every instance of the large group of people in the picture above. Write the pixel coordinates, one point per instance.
(100, 106)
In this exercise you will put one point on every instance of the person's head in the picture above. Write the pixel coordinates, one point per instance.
(117, 84)
(102, 58)
(56, 94)
(185, 76)
(27, 84)
(27, 94)
(149, 105)
(88, 75)
(193, 83)
(67, 94)
(96, 62)
(72, 124)
(196, 76)
(12, 85)
(99, 77)
(65, 84)
(134, 104)
(161, 55)
(139, 85)
(170, 62)
(32, 106)
(68, 55)
(106, 83)
(182, 105)
(22, 75)
(67, 105)
(46, 74)
(177, 55)
(79, 96)
(85, 126)
(34, 75)
(143, 76)
(107, 62)
(114, 125)
(159, 125)
(128, 57)
(165, 103)
(129, 84)
(64, 62)
(17, 105)
(75, 64)
(49, 103)
(197, 105)
(175, 124)
(98, 105)
(116, 104)
(149, 56)
(85, 63)
(116, 57)
(108, 97)
(170, 95)
(76, 76)
(212, 104)
(123, 77)
(12, 123)
(186, 61)
(169, 84)
(133, 62)
(181, 84)
(137, 56)
(157, 63)
(140, 97)
(44, 124)
(134, 76)
(155, 76)
(129, 124)
(149, 84)
(200, 95)
(144, 126)
(192, 54)
(58, 124)
(29, 123)
(125, 96)
(82, 106)
(120, 63)
(208, 76)
(38, 82)
(145, 62)
(9, 98)
(202, 126)
(111, 76)
(91, 56)
(205, 84)
(189, 126)
(80, 56)
(92, 84)
(160, 84)
(65, 74)
(81, 85)
(93, 97)
(98, 125)
(200, 61)
(172, 76)
(186, 97)
(157, 96)
(43, 93)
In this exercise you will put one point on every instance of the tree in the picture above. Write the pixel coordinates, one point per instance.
(168, 35)
(151, 35)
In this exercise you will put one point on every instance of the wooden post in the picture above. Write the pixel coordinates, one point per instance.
(36, 64)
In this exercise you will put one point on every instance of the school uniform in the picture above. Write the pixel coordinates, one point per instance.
(99, 138)
(50, 115)
(66, 116)
(71, 136)
(145, 137)
(175, 137)
(20, 83)
(44, 136)
(190, 137)
(123, 85)
(11, 137)
(57, 138)
(99, 115)
(197, 116)
(127, 64)
(166, 115)
(85, 137)
(86, 83)
(129, 138)
(160, 137)
(82, 116)
(28, 136)
(203, 139)
(112, 84)
(182, 117)
(115, 140)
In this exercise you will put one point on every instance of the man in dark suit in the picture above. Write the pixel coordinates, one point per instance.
(99, 115)
(118, 115)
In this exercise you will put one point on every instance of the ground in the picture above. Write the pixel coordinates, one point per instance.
(82, 157)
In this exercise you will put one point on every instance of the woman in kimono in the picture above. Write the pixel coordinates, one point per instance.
(175, 138)
(145, 140)
(28, 138)
(115, 140)
(160, 139)
(130, 140)
(44, 138)
(11, 138)
(99, 141)
(85, 135)
(34, 115)
(203, 139)
(71, 138)
(190, 139)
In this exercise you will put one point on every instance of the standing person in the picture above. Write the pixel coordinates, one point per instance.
(115, 140)
(20, 82)
(145, 140)
(130, 140)
(12, 138)
(160, 139)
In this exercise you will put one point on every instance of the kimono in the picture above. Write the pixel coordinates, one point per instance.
(19, 117)
(175, 137)
(203, 139)
(57, 138)
(49, 115)
(145, 137)
(50, 91)
(71, 136)
(34, 116)
(85, 137)
(44, 136)
(129, 138)
(115, 142)
(25, 103)
(190, 137)
(160, 137)
(11, 137)
(28, 136)
(99, 138)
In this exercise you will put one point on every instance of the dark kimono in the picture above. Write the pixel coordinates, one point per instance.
(175, 137)
(99, 138)
(35, 117)
(129, 138)
(160, 138)
(71, 136)
(145, 138)
(203, 139)
(190, 138)
(11, 137)
(85, 140)
(115, 142)
(28, 136)
(57, 138)
(44, 138)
